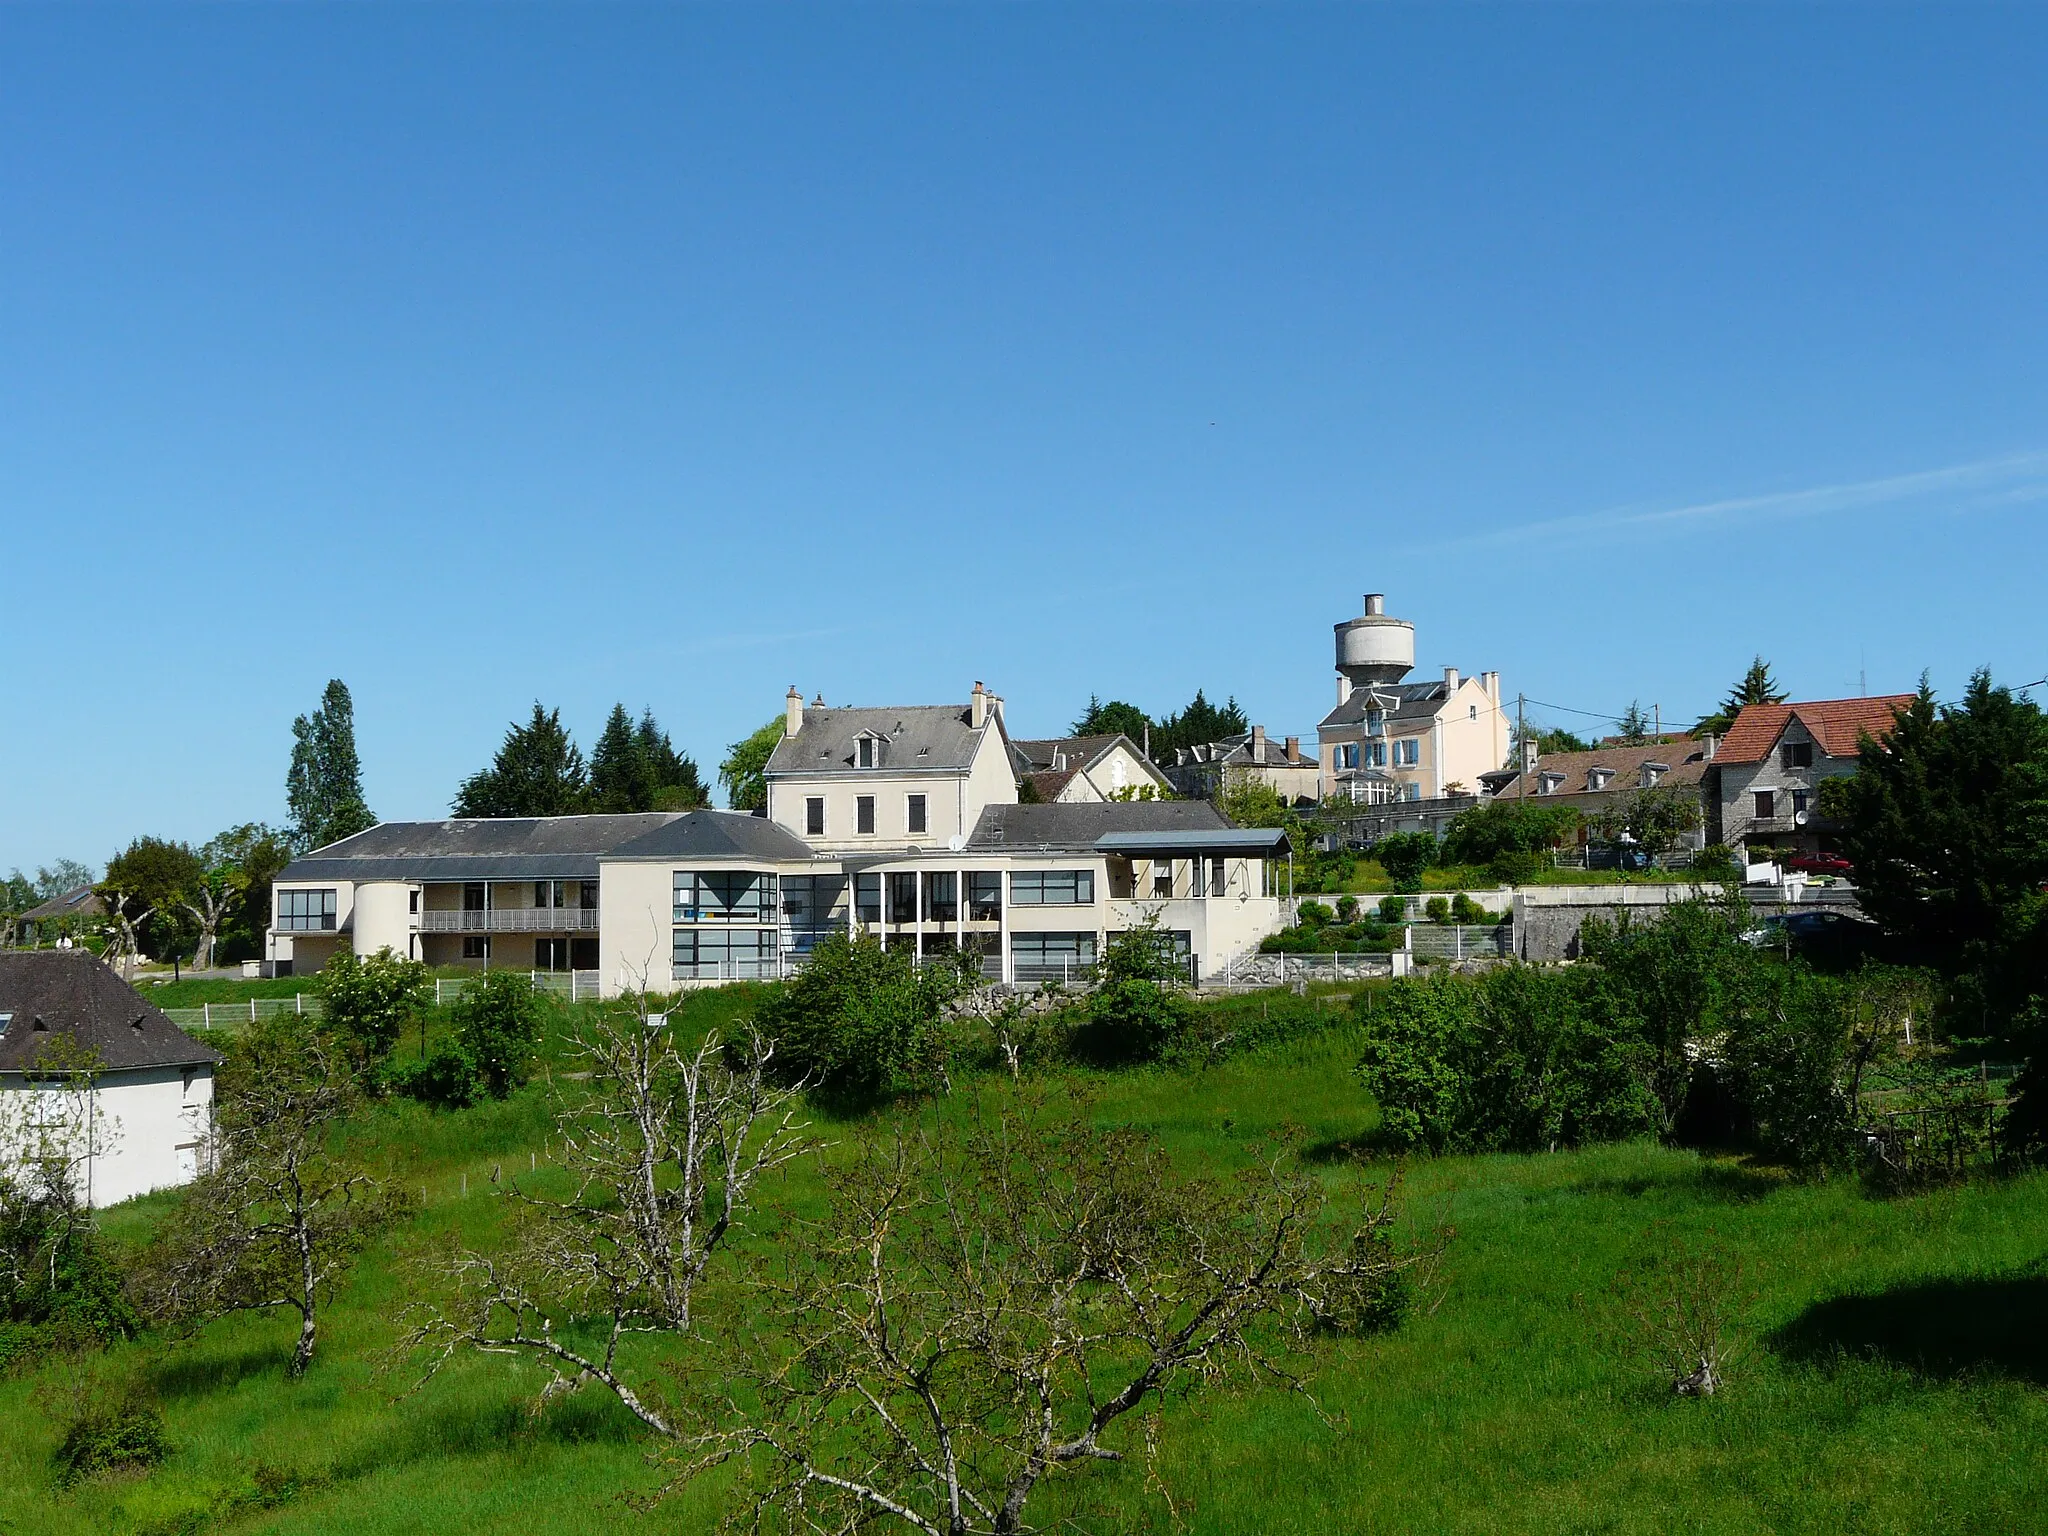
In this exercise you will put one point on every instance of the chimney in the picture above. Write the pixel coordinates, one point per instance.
(977, 714)
(792, 712)
(1375, 604)
(1708, 744)
(995, 707)
(1294, 749)
(1258, 743)
(1450, 679)
(1343, 689)
(1490, 681)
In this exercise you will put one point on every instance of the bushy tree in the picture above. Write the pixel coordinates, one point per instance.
(1139, 1007)
(744, 773)
(370, 1000)
(1509, 836)
(1112, 719)
(861, 1022)
(1516, 1058)
(150, 885)
(538, 771)
(1404, 856)
(245, 861)
(324, 786)
(498, 1022)
(1199, 722)
(1655, 817)
(1672, 982)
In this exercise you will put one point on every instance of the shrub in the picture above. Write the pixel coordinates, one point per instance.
(126, 1434)
(1393, 909)
(1138, 1009)
(1404, 856)
(1715, 864)
(498, 1021)
(1516, 1058)
(1507, 829)
(448, 1079)
(1437, 909)
(1516, 866)
(58, 1287)
(1347, 909)
(369, 1001)
(1313, 914)
(1467, 911)
(861, 1022)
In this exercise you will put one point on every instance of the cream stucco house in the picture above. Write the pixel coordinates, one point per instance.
(900, 821)
(1391, 740)
(1076, 770)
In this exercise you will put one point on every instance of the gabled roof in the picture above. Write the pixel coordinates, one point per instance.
(1837, 725)
(1411, 701)
(82, 902)
(1078, 826)
(1039, 755)
(71, 992)
(1683, 757)
(914, 738)
(1049, 786)
(477, 848)
(1236, 751)
(715, 835)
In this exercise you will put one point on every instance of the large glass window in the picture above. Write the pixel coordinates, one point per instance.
(902, 898)
(985, 895)
(1052, 888)
(913, 813)
(305, 911)
(864, 813)
(725, 954)
(867, 898)
(1045, 956)
(941, 896)
(724, 896)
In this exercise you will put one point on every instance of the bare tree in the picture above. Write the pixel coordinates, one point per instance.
(666, 1148)
(120, 925)
(981, 1311)
(284, 1209)
(209, 902)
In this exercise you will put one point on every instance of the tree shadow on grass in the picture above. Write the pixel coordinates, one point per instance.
(196, 1372)
(1712, 1178)
(1362, 1148)
(1975, 1325)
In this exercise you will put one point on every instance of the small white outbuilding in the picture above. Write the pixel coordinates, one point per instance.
(140, 1119)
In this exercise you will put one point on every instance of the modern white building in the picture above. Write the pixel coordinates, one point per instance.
(143, 1122)
(903, 822)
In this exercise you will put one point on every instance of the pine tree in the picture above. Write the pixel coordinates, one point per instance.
(619, 779)
(1635, 725)
(324, 786)
(1757, 687)
(677, 784)
(537, 772)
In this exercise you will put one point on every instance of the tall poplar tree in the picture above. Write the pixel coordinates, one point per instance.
(324, 787)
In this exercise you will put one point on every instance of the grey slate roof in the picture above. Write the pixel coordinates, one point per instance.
(1039, 756)
(1221, 840)
(72, 992)
(715, 835)
(1412, 701)
(83, 902)
(477, 848)
(911, 737)
(1079, 826)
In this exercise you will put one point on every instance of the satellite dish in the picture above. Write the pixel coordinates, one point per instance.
(956, 842)
(1799, 818)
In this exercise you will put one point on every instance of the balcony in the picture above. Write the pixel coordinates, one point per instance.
(511, 920)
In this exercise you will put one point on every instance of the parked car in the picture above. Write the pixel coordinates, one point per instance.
(1817, 935)
(1819, 864)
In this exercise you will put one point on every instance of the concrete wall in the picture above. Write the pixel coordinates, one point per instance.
(1548, 918)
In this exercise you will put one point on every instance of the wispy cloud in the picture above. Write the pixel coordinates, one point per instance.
(2014, 478)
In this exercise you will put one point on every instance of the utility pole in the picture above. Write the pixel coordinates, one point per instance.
(1521, 746)
(1657, 724)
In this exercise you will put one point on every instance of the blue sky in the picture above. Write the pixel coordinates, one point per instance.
(476, 355)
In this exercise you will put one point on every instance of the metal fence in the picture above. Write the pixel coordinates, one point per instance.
(228, 1015)
(576, 986)
(1452, 941)
(1256, 970)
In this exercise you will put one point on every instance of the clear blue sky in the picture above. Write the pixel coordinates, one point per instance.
(478, 354)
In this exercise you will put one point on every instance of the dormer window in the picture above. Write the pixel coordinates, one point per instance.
(864, 752)
(1652, 772)
(1548, 783)
(1375, 723)
(1597, 778)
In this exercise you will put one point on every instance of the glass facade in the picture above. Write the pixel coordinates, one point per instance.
(1052, 888)
(724, 896)
(305, 911)
(725, 954)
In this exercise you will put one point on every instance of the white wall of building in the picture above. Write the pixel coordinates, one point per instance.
(148, 1124)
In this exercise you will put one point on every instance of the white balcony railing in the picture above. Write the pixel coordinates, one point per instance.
(512, 920)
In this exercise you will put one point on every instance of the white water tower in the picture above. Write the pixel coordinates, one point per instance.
(1374, 648)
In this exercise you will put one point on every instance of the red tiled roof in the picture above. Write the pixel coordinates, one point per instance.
(1837, 724)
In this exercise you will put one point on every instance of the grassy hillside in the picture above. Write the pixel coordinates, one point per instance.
(1507, 1405)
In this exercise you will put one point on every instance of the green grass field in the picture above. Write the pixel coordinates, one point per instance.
(1893, 1373)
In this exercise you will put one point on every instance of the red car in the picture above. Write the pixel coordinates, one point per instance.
(1819, 864)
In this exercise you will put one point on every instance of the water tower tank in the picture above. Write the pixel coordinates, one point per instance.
(1375, 648)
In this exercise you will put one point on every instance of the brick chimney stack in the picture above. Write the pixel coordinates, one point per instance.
(792, 712)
